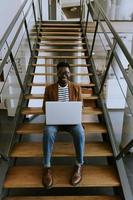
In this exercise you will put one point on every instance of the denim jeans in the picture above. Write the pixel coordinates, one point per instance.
(49, 136)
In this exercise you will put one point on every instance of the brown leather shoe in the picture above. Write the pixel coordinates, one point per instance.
(77, 175)
(47, 179)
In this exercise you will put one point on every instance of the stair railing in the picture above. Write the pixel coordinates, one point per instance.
(16, 47)
(125, 150)
(110, 74)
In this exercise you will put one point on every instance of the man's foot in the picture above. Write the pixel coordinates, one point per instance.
(77, 175)
(47, 179)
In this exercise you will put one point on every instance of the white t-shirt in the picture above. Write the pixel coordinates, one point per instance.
(63, 93)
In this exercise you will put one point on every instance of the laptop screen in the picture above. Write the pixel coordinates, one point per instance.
(63, 113)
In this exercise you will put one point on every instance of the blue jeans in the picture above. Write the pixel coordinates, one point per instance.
(49, 136)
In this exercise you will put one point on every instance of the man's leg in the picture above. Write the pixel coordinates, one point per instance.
(48, 142)
(78, 135)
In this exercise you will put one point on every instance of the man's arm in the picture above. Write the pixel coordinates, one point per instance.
(79, 93)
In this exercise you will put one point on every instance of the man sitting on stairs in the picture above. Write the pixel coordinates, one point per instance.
(54, 92)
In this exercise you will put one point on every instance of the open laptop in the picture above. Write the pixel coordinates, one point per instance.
(63, 113)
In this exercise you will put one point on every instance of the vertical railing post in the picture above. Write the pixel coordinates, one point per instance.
(28, 37)
(94, 38)
(40, 8)
(80, 11)
(34, 12)
(16, 71)
(86, 26)
(107, 66)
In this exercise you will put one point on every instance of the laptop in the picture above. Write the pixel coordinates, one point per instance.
(63, 113)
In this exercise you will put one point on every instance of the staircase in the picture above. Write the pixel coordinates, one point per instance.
(61, 41)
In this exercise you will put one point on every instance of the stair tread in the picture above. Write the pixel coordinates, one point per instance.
(41, 96)
(61, 149)
(54, 65)
(61, 43)
(58, 38)
(46, 84)
(55, 74)
(100, 197)
(59, 28)
(60, 25)
(39, 111)
(95, 127)
(93, 176)
(29, 128)
(60, 50)
(56, 33)
(60, 57)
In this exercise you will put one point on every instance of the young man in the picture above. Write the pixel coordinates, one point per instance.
(63, 90)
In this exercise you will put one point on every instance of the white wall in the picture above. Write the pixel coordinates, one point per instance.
(124, 10)
(45, 14)
(7, 12)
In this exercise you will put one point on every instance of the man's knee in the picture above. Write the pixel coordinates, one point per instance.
(50, 132)
(78, 131)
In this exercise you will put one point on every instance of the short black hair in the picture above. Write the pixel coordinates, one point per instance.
(63, 64)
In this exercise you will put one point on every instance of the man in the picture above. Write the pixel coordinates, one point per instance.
(63, 90)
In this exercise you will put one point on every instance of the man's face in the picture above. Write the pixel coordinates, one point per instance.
(63, 74)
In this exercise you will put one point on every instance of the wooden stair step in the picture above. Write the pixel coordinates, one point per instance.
(91, 111)
(61, 149)
(100, 197)
(61, 44)
(60, 25)
(55, 74)
(42, 33)
(59, 29)
(46, 84)
(54, 65)
(60, 57)
(37, 84)
(94, 127)
(31, 177)
(89, 97)
(60, 50)
(32, 110)
(39, 111)
(34, 96)
(57, 38)
(37, 128)
(41, 96)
